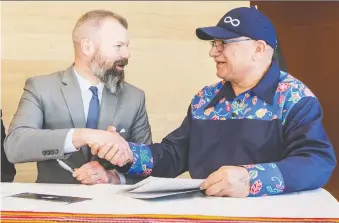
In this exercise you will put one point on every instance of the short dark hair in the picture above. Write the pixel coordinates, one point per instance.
(95, 17)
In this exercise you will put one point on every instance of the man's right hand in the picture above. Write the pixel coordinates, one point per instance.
(107, 145)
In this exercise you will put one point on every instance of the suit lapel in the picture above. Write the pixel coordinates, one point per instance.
(72, 96)
(107, 109)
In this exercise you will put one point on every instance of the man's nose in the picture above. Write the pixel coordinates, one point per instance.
(125, 53)
(214, 52)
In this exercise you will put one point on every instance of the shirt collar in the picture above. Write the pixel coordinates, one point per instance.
(267, 86)
(265, 89)
(85, 84)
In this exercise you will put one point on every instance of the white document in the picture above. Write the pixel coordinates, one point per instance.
(153, 187)
(151, 195)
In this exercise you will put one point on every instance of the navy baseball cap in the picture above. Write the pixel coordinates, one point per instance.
(243, 21)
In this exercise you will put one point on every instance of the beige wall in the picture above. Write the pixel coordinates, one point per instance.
(168, 62)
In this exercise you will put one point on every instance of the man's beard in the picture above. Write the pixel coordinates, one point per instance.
(111, 76)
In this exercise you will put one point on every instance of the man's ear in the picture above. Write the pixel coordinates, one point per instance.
(87, 47)
(260, 47)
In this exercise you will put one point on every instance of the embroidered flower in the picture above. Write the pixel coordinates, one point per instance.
(295, 85)
(200, 93)
(201, 103)
(283, 87)
(147, 172)
(295, 97)
(208, 111)
(215, 117)
(281, 101)
(274, 117)
(254, 100)
(228, 108)
(261, 113)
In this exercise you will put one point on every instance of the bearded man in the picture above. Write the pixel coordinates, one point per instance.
(60, 114)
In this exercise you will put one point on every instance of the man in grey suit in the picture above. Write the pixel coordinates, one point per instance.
(61, 113)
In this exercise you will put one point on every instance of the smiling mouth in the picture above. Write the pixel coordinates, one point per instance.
(120, 67)
(219, 64)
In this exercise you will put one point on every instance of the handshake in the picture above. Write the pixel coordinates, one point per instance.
(108, 145)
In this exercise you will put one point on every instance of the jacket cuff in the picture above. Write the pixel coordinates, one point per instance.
(142, 160)
(265, 179)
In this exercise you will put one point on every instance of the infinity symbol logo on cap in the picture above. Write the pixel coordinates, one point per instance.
(234, 22)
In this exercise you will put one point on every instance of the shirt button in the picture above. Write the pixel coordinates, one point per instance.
(238, 101)
(234, 114)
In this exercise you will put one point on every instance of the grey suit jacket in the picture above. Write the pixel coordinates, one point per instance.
(51, 105)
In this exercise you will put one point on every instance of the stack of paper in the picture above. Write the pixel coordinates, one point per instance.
(153, 187)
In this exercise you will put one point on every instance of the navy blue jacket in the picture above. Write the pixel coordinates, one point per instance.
(274, 130)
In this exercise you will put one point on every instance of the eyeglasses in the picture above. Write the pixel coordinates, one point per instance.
(219, 44)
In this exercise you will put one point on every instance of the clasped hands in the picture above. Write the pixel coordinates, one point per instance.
(108, 145)
(112, 147)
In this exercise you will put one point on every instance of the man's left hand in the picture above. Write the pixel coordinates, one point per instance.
(92, 173)
(232, 181)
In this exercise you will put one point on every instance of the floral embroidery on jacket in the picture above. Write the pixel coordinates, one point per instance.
(143, 160)
(289, 91)
(268, 173)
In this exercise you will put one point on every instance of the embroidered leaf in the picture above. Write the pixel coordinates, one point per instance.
(273, 165)
(253, 174)
(144, 156)
(260, 167)
(256, 187)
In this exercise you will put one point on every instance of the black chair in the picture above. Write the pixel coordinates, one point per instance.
(8, 170)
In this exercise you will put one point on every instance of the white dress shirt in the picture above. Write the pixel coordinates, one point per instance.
(86, 95)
